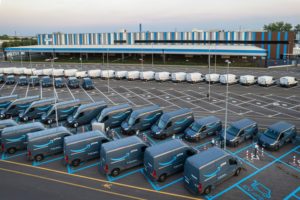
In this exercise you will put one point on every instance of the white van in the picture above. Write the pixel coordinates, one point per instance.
(212, 78)
(81, 74)
(29, 71)
(120, 74)
(162, 76)
(105, 74)
(232, 79)
(19, 70)
(58, 72)
(8, 70)
(288, 81)
(38, 72)
(248, 80)
(194, 77)
(70, 72)
(147, 75)
(94, 73)
(266, 81)
(47, 72)
(178, 76)
(132, 75)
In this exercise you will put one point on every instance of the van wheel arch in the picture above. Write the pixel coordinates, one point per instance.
(237, 171)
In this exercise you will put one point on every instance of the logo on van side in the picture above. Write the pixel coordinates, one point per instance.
(16, 139)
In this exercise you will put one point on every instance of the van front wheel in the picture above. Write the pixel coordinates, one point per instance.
(237, 171)
(75, 163)
(162, 178)
(11, 150)
(115, 172)
(207, 190)
(39, 157)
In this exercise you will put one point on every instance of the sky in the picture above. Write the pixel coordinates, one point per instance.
(29, 17)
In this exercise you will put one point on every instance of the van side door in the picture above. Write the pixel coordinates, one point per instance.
(134, 157)
(180, 156)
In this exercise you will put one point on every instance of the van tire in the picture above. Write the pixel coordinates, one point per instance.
(207, 190)
(75, 125)
(162, 178)
(49, 121)
(115, 172)
(236, 144)
(11, 150)
(75, 162)
(237, 171)
(39, 157)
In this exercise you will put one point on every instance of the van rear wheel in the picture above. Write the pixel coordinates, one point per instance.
(207, 190)
(75, 162)
(39, 157)
(11, 150)
(237, 172)
(162, 178)
(115, 172)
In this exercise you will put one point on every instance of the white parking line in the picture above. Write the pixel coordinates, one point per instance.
(14, 89)
(2, 86)
(138, 94)
(122, 96)
(41, 91)
(27, 90)
(70, 91)
(105, 96)
(87, 94)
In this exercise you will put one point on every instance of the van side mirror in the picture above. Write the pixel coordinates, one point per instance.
(137, 120)
(143, 149)
(169, 124)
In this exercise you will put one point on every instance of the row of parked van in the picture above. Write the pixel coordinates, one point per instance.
(151, 118)
(286, 81)
(46, 81)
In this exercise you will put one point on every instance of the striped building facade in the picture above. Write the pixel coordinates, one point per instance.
(278, 44)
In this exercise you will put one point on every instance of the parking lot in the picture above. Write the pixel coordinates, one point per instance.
(275, 175)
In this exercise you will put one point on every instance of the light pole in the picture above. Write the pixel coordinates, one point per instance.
(226, 104)
(107, 59)
(208, 94)
(152, 55)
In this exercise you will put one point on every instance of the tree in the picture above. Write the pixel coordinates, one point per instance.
(278, 26)
(297, 28)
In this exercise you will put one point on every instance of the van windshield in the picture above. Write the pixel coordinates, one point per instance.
(50, 110)
(271, 134)
(161, 124)
(196, 127)
(233, 130)
(131, 120)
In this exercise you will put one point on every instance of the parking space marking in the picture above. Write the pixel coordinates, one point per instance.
(112, 179)
(70, 92)
(247, 193)
(254, 173)
(101, 180)
(123, 96)
(14, 89)
(138, 95)
(72, 171)
(87, 94)
(41, 91)
(26, 94)
(6, 157)
(2, 86)
(70, 184)
(36, 163)
(293, 194)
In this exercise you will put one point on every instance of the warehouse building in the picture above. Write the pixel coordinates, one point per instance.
(263, 48)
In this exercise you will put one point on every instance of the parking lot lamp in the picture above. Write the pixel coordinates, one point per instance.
(226, 105)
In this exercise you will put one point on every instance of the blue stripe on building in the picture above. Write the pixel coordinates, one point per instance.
(269, 46)
(129, 38)
(278, 46)
(193, 36)
(245, 37)
(38, 40)
(81, 39)
(165, 36)
(66, 39)
(285, 46)
(204, 37)
(232, 36)
(99, 38)
(147, 36)
(172, 35)
(74, 39)
(108, 38)
(121, 36)
(262, 39)
(226, 37)
(217, 37)
(90, 38)
(182, 36)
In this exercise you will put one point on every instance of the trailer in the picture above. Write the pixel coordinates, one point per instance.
(120, 75)
(266, 81)
(81, 74)
(38, 72)
(178, 76)
(29, 71)
(228, 79)
(94, 73)
(248, 80)
(58, 72)
(194, 77)
(147, 75)
(162, 76)
(8, 70)
(70, 72)
(47, 72)
(132, 75)
(19, 70)
(105, 74)
(288, 81)
(212, 78)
